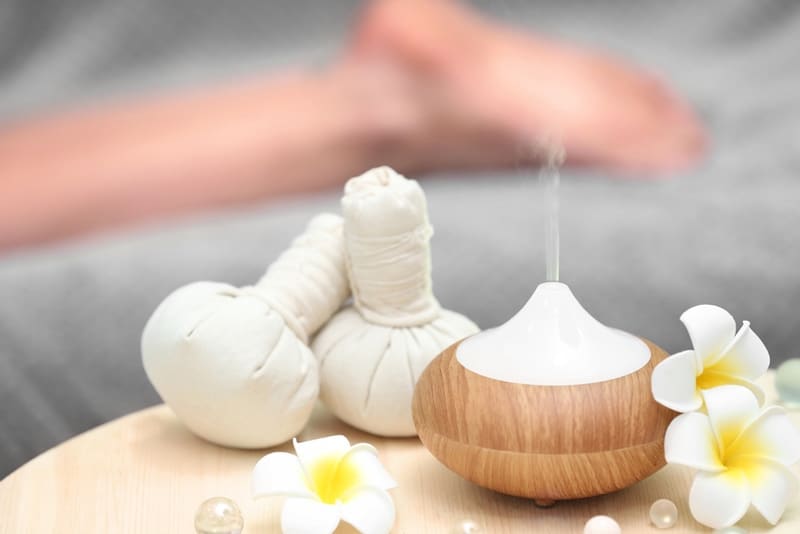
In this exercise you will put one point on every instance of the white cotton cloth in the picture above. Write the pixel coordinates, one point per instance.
(372, 353)
(233, 363)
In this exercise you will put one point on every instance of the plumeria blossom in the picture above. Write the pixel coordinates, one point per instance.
(742, 452)
(721, 356)
(326, 482)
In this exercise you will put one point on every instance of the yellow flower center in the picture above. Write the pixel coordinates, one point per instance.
(709, 379)
(333, 477)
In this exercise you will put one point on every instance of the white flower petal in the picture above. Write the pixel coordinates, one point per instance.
(309, 516)
(674, 382)
(310, 452)
(711, 329)
(363, 458)
(731, 409)
(746, 356)
(719, 499)
(690, 441)
(280, 473)
(773, 486)
(770, 435)
(370, 511)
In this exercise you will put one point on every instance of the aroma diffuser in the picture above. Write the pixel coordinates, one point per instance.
(551, 405)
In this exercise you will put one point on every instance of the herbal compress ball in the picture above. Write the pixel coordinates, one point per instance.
(372, 353)
(233, 363)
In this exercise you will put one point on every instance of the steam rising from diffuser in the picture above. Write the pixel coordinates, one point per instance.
(550, 179)
(552, 340)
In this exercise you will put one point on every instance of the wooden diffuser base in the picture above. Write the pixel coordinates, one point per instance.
(547, 443)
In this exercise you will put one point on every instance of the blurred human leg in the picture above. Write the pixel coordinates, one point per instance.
(124, 163)
(424, 85)
(519, 87)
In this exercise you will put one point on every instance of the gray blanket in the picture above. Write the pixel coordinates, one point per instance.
(635, 253)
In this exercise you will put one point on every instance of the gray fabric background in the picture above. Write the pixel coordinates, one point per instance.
(635, 253)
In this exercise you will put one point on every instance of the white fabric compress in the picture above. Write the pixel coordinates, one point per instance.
(233, 363)
(372, 353)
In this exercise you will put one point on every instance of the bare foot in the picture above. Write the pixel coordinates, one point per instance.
(486, 92)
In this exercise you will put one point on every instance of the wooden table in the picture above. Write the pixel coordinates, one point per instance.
(146, 473)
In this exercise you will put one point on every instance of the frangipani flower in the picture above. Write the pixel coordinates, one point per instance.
(743, 454)
(720, 356)
(328, 481)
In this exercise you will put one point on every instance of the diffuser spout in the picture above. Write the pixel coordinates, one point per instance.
(553, 341)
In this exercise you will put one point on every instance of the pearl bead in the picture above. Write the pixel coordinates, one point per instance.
(218, 515)
(787, 382)
(663, 513)
(465, 527)
(601, 524)
(730, 530)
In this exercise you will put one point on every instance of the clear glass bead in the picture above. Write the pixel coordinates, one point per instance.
(787, 382)
(218, 515)
(601, 524)
(730, 530)
(663, 513)
(466, 526)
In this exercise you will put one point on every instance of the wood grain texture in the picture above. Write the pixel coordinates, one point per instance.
(145, 473)
(542, 442)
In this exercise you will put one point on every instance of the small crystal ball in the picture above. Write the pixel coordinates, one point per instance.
(787, 382)
(663, 513)
(218, 515)
(601, 524)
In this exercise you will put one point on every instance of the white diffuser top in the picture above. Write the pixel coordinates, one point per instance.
(553, 341)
